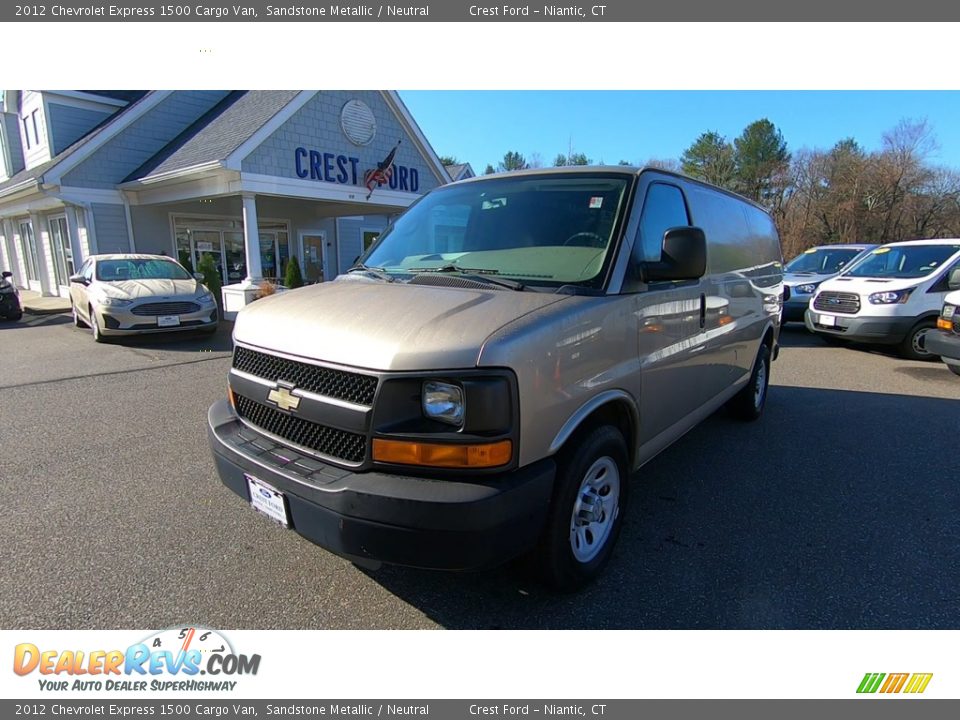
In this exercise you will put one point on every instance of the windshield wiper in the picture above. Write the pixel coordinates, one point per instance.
(478, 274)
(377, 272)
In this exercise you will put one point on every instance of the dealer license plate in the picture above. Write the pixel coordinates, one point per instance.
(268, 500)
(828, 320)
(168, 320)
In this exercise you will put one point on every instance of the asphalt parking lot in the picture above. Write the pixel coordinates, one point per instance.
(838, 509)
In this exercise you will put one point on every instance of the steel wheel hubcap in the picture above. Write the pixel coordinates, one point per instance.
(919, 342)
(595, 510)
(761, 384)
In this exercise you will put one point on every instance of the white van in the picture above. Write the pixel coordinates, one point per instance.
(892, 297)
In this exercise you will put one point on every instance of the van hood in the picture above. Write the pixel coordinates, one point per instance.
(867, 285)
(384, 326)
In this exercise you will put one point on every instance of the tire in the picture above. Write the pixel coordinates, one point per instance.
(95, 328)
(748, 404)
(955, 369)
(912, 346)
(579, 537)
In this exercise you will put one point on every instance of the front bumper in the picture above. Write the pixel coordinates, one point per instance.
(119, 320)
(448, 524)
(879, 330)
(793, 310)
(945, 344)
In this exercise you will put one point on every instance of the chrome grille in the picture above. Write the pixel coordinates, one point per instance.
(837, 302)
(352, 387)
(165, 308)
(340, 444)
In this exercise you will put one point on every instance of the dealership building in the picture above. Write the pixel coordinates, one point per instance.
(251, 178)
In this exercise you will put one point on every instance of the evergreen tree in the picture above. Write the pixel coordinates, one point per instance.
(292, 277)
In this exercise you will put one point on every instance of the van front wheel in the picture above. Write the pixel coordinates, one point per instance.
(587, 509)
(748, 404)
(913, 346)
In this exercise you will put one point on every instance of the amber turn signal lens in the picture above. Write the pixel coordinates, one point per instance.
(944, 324)
(231, 398)
(403, 452)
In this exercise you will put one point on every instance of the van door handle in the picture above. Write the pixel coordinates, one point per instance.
(703, 311)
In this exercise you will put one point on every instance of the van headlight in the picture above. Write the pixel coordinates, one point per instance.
(890, 297)
(443, 401)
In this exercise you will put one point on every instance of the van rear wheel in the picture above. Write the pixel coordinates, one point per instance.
(748, 404)
(587, 509)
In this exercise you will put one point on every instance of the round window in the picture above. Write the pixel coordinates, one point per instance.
(358, 122)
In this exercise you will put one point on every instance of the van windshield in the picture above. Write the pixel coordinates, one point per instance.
(903, 261)
(822, 260)
(546, 230)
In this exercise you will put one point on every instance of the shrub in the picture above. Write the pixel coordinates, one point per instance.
(292, 277)
(265, 289)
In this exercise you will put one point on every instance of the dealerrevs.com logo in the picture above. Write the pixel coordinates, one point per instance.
(909, 683)
(172, 659)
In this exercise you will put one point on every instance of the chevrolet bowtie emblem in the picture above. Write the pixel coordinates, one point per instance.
(284, 399)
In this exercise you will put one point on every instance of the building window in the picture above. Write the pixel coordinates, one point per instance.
(369, 238)
(26, 133)
(28, 247)
(36, 133)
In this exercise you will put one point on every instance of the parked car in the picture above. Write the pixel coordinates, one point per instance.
(803, 275)
(10, 307)
(485, 386)
(946, 342)
(129, 294)
(891, 297)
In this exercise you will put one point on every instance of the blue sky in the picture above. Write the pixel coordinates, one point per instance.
(480, 126)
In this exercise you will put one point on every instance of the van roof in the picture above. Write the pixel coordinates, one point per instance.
(928, 241)
(631, 170)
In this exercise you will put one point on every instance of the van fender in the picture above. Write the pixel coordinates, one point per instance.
(591, 406)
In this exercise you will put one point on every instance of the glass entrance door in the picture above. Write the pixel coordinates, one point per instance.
(312, 257)
(62, 251)
(236, 256)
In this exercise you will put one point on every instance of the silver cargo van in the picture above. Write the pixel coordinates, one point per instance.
(486, 379)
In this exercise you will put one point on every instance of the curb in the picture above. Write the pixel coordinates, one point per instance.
(27, 310)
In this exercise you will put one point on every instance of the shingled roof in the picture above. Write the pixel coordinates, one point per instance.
(217, 133)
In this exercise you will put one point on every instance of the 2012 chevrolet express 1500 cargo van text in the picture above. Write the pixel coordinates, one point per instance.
(486, 379)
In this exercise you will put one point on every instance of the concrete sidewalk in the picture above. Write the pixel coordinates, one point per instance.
(35, 304)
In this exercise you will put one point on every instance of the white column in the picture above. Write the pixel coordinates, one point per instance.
(251, 238)
(45, 260)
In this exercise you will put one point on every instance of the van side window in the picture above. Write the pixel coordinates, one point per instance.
(663, 208)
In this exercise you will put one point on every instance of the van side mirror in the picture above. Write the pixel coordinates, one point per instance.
(683, 256)
(78, 278)
(953, 279)
(6, 274)
(198, 276)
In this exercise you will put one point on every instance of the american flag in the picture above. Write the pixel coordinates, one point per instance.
(381, 174)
